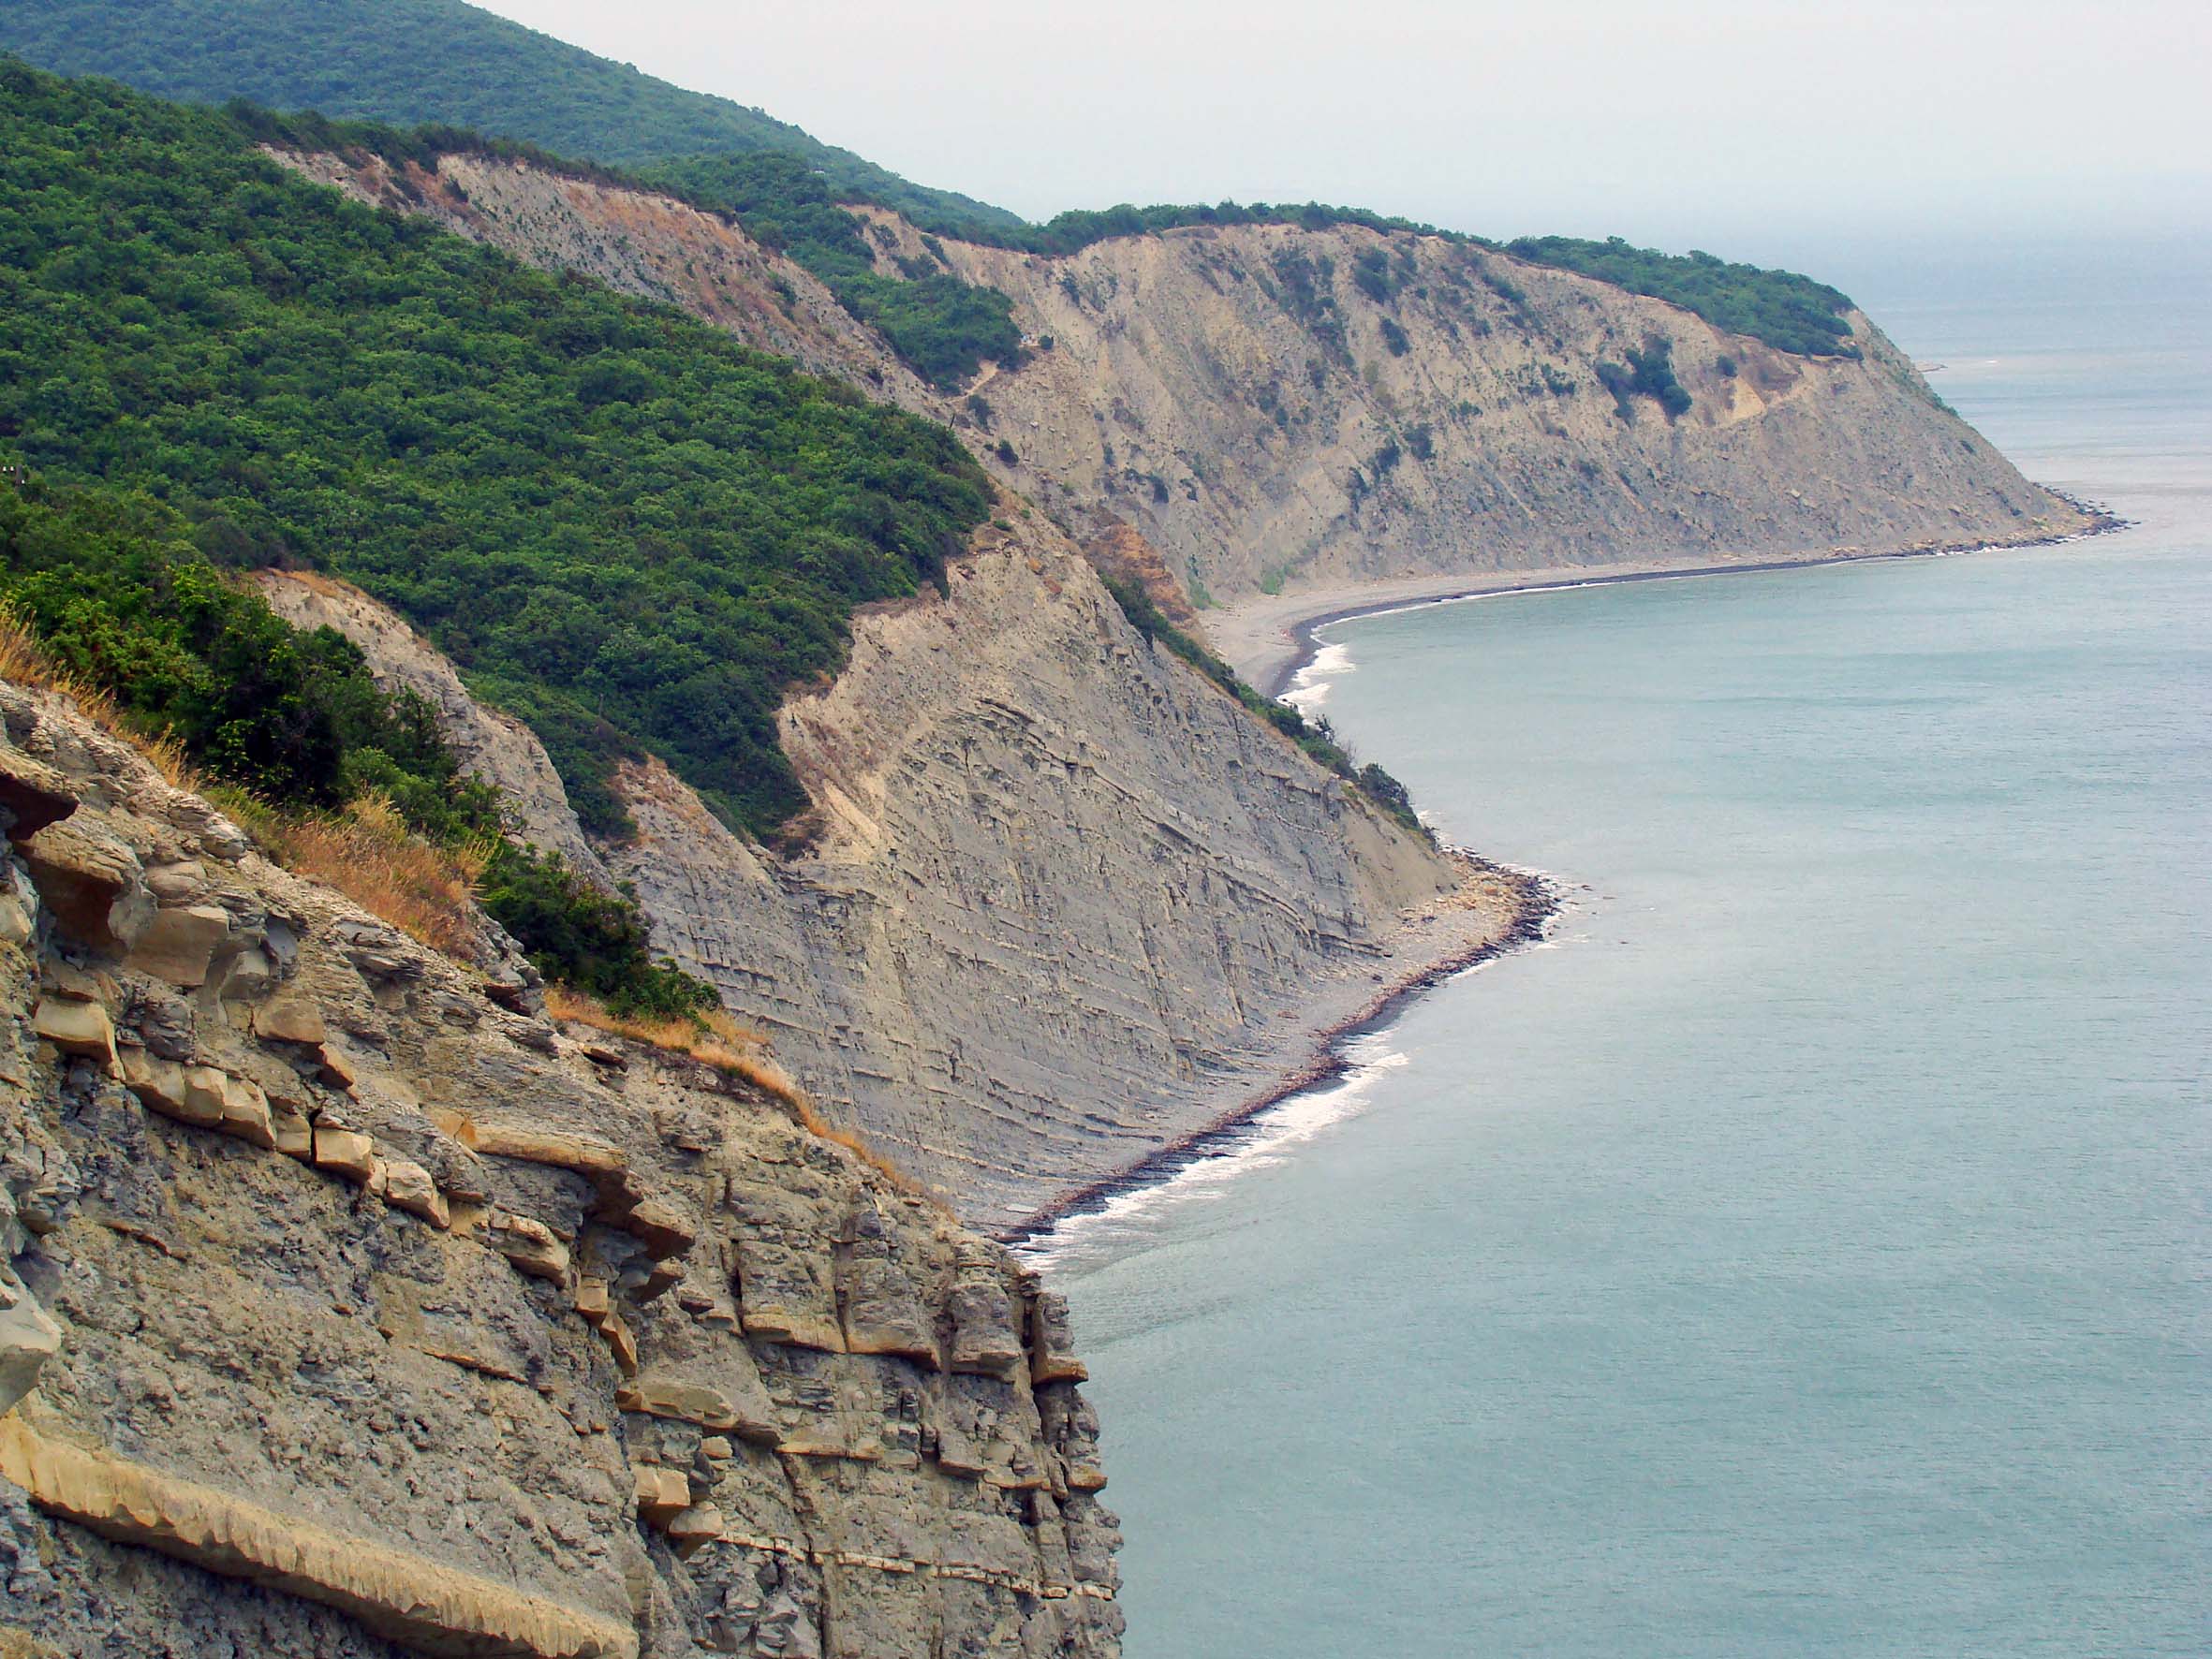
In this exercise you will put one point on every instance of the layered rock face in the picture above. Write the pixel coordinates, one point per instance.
(348, 1310)
(1067, 899)
(1237, 395)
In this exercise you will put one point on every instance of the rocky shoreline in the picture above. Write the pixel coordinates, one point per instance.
(1536, 901)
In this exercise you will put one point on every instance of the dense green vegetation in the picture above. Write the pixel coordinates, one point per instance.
(626, 527)
(940, 325)
(590, 941)
(410, 61)
(1313, 736)
(1789, 311)
(461, 72)
(1649, 373)
(1072, 231)
(121, 600)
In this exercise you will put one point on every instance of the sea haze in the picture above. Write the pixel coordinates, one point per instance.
(1803, 1254)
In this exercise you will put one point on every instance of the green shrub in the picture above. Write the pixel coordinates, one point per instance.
(120, 600)
(1306, 292)
(1371, 274)
(593, 942)
(1649, 373)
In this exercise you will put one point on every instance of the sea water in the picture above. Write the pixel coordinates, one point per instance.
(1805, 1251)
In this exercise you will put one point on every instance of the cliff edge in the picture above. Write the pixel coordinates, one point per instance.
(347, 1310)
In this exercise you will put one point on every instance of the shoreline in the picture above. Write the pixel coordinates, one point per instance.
(1272, 640)
(1271, 664)
(1537, 901)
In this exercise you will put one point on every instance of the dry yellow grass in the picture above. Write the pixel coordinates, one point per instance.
(24, 661)
(714, 1037)
(715, 1032)
(369, 855)
(812, 1121)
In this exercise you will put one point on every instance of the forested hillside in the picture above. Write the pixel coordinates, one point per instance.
(627, 528)
(412, 61)
(409, 62)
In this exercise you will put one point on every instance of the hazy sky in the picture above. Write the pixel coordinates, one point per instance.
(1668, 121)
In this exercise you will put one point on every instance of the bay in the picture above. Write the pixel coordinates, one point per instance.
(1805, 1251)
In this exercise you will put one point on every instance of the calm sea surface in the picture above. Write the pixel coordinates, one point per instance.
(1807, 1252)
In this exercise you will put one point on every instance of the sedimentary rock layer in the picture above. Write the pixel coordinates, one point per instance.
(1066, 899)
(348, 1312)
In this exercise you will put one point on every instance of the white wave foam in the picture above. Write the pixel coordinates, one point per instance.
(1310, 686)
(1128, 1218)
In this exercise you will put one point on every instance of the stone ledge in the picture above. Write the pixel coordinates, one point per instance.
(905, 1566)
(401, 1597)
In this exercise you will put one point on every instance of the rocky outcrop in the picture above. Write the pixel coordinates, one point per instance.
(1064, 902)
(638, 243)
(349, 1313)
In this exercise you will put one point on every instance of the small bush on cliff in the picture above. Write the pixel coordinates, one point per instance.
(593, 942)
(1649, 373)
(1371, 273)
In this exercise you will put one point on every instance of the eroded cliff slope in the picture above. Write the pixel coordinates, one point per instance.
(1067, 899)
(1269, 417)
(346, 1308)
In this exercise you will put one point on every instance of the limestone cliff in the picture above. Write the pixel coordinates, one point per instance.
(1235, 394)
(1265, 420)
(346, 1309)
(1066, 900)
